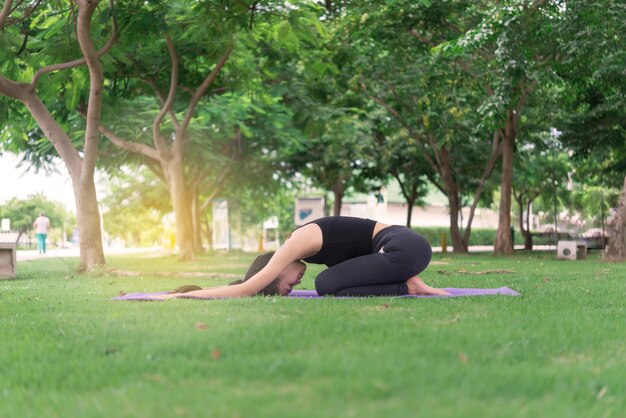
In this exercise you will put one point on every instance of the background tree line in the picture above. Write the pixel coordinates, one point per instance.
(244, 98)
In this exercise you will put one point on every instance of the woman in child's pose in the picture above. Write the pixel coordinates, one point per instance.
(364, 258)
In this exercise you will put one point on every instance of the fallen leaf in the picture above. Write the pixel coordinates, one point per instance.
(602, 392)
(200, 326)
(156, 378)
(122, 293)
(215, 354)
(546, 279)
(463, 358)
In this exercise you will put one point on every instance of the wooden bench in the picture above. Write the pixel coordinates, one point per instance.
(7, 259)
(8, 248)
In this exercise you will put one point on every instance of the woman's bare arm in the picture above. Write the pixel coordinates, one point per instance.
(302, 243)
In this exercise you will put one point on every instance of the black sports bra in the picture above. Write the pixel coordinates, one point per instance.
(343, 238)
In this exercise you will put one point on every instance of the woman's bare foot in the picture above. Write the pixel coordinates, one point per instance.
(418, 287)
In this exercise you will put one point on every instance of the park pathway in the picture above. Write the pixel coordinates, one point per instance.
(25, 255)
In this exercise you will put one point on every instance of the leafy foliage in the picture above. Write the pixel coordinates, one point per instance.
(134, 207)
(23, 212)
(595, 50)
(346, 93)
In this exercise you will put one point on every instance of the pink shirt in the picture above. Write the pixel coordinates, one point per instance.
(41, 225)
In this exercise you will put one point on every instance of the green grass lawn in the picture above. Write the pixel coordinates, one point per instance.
(66, 350)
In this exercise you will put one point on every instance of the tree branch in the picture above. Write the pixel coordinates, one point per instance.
(468, 68)
(162, 99)
(156, 169)
(194, 177)
(77, 62)
(421, 38)
(396, 175)
(464, 64)
(5, 21)
(440, 155)
(412, 132)
(86, 9)
(436, 183)
(129, 145)
(496, 151)
(217, 187)
(522, 100)
(13, 89)
(167, 106)
(4, 13)
(216, 190)
(200, 92)
(53, 131)
(395, 114)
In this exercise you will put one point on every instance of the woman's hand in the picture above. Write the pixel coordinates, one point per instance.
(168, 296)
(220, 292)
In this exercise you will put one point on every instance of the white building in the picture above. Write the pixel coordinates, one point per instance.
(393, 210)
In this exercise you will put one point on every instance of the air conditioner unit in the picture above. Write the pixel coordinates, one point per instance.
(566, 250)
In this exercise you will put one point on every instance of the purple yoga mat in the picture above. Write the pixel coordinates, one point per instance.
(312, 294)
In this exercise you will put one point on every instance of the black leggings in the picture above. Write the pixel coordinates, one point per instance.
(397, 255)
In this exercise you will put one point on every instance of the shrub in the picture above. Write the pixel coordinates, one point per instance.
(478, 236)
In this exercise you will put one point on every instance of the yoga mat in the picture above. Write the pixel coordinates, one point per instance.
(312, 294)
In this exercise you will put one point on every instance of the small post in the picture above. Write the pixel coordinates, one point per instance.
(260, 247)
(444, 244)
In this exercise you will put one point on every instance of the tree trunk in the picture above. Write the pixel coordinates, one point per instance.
(616, 248)
(454, 203)
(88, 216)
(478, 192)
(504, 243)
(208, 233)
(338, 191)
(409, 212)
(171, 156)
(182, 208)
(410, 198)
(80, 167)
(197, 225)
(441, 165)
(528, 241)
(458, 245)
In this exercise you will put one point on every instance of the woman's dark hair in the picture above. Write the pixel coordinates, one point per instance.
(256, 266)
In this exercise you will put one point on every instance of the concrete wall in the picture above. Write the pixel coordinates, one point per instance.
(427, 216)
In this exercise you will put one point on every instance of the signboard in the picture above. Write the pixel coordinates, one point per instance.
(308, 209)
(221, 226)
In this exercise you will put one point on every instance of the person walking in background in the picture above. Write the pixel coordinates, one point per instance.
(41, 226)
